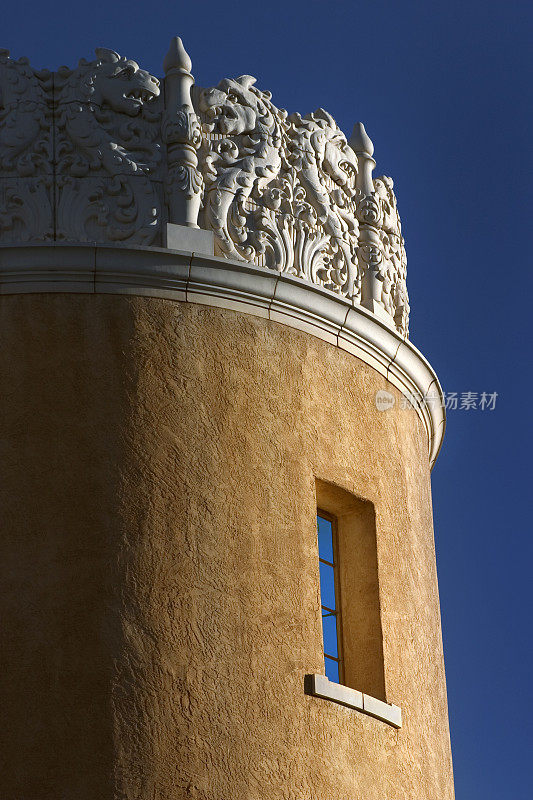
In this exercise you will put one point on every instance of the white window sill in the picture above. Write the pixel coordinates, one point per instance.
(320, 686)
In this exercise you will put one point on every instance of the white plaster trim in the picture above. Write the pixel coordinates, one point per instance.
(320, 686)
(197, 240)
(235, 285)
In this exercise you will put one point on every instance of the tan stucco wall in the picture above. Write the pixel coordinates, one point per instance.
(158, 563)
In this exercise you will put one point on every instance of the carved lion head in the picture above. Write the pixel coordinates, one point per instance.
(112, 80)
(235, 106)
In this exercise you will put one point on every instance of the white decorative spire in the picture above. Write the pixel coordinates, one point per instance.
(369, 250)
(362, 146)
(181, 132)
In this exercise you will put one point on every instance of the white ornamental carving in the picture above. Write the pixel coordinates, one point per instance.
(26, 152)
(108, 151)
(100, 153)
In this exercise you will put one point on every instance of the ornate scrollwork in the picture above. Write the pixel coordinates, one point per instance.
(26, 152)
(25, 210)
(112, 210)
(97, 147)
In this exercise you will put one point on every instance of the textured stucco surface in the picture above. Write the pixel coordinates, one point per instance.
(158, 560)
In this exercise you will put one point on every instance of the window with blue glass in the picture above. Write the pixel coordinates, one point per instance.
(330, 596)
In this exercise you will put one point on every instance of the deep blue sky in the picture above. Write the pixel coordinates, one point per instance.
(444, 89)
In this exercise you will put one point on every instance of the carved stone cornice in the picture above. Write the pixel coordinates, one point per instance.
(235, 285)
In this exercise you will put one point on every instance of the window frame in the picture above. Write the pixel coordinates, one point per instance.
(337, 612)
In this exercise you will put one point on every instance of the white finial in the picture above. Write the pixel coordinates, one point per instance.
(361, 144)
(177, 57)
(360, 141)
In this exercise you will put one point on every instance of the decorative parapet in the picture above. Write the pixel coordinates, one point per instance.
(101, 154)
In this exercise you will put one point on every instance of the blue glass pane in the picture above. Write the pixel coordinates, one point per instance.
(332, 670)
(327, 586)
(325, 539)
(329, 629)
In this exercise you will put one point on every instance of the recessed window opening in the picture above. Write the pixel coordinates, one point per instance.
(330, 596)
(349, 590)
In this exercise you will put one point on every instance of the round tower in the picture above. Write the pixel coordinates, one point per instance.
(205, 361)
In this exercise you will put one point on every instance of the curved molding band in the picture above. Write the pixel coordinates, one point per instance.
(209, 280)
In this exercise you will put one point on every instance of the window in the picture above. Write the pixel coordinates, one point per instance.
(329, 596)
(349, 590)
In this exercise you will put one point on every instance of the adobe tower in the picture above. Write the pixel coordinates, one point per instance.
(205, 351)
